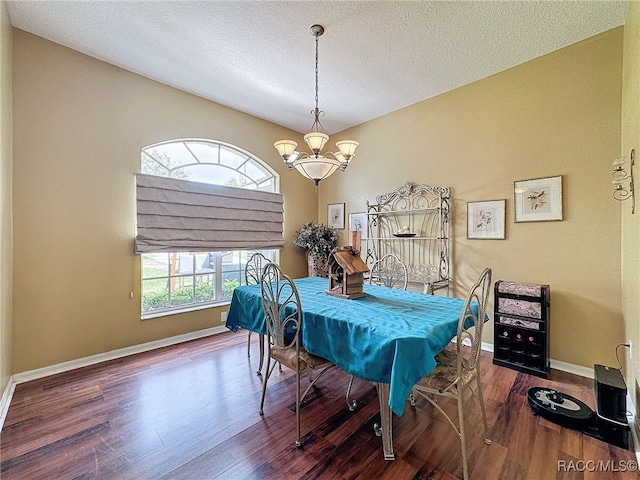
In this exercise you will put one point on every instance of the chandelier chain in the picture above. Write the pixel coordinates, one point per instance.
(316, 72)
(317, 126)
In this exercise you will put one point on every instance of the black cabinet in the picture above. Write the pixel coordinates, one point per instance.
(521, 327)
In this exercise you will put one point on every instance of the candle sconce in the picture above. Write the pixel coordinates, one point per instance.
(623, 180)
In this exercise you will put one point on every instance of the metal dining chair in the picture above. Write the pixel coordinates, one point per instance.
(457, 370)
(389, 271)
(253, 276)
(283, 317)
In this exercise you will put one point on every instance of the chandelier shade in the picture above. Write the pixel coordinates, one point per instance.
(316, 166)
(347, 148)
(316, 141)
(316, 169)
(285, 148)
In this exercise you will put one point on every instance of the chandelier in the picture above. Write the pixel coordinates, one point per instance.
(316, 166)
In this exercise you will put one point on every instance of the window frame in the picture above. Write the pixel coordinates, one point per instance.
(270, 179)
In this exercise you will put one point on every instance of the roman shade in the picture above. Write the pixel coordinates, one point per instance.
(178, 215)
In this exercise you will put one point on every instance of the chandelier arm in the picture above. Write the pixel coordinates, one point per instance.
(303, 156)
(332, 156)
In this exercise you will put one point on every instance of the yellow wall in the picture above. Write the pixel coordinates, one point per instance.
(631, 223)
(6, 236)
(555, 115)
(79, 125)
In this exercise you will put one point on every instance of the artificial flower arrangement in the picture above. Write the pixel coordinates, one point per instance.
(318, 240)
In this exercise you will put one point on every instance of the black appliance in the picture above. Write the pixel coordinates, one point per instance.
(608, 424)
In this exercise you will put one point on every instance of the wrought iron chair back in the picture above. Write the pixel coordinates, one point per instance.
(253, 268)
(282, 309)
(457, 371)
(283, 317)
(470, 318)
(389, 271)
(253, 276)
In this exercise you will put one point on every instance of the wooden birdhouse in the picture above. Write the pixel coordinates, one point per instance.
(346, 270)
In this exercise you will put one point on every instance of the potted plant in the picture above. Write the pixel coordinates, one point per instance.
(318, 240)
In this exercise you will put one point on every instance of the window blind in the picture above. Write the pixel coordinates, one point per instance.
(178, 215)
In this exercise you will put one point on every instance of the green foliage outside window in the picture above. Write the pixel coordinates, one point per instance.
(181, 296)
(184, 296)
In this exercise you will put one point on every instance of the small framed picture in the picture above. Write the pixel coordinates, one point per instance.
(358, 222)
(335, 215)
(538, 199)
(485, 219)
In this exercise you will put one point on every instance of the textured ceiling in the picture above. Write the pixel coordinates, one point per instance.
(258, 56)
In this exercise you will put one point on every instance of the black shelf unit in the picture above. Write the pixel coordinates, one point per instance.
(521, 327)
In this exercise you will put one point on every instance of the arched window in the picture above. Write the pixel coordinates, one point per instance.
(182, 281)
(208, 161)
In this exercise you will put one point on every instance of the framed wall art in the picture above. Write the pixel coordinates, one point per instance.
(538, 199)
(485, 219)
(358, 222)
(335, 215)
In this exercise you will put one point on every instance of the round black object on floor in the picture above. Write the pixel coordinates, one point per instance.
(560, 408)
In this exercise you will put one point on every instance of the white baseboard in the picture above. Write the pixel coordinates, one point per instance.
(571, 368)
(487, 347)
(557, 364)
(114, 354)
(30, 375)
(5, 401)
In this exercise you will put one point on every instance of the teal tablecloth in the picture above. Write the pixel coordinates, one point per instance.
(388, 336)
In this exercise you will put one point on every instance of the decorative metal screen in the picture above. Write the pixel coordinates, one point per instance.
(413, 223)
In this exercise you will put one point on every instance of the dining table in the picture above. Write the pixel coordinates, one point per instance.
(389, 336)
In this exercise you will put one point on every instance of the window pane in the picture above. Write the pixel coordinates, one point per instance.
(239, 180)
(205, 288)
(152, 167)
(230, 261)
(232, 158)
(155, 294)
(205, 263)
(181, 289)
(182, 263)
(174, 154)
(213, 174)
(230, 281)
(155, 265)
(204, 152)
(256, 172)
(267, 186)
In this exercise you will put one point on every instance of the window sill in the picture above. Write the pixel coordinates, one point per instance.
(190, 308)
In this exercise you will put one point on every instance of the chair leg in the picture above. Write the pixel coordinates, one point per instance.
(265, 379)
(313, 380)
(298, 439)
(352, 404)
(249, 343)
(261, 340)
(463, 440)
(487, 440)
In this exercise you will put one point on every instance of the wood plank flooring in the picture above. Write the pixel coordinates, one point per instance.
(191, 412)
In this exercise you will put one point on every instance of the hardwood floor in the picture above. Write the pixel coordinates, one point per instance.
(191, 412)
